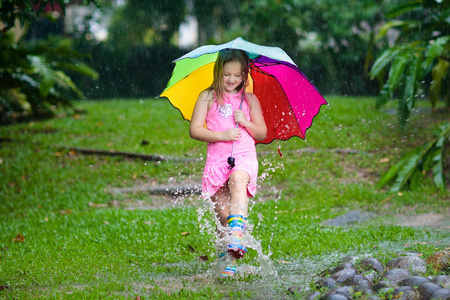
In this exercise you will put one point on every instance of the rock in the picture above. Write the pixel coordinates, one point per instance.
(343, 275)
(352, 259)
(334, 297)
(326, 282)
(413, 263)
(383, 284)
(406, 293)
(443, 280)
(343, 291)
(346, 291)
(314, 296)
(413, 281)
(353, 280)
(439, 261)
(339, 267)
(442, 294)
(372, 264)
(427, 290)
(371, 276)
(299, 289)
(410, 253)
(365, 286)
(397, 275)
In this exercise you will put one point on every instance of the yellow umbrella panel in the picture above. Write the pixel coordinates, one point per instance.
(185, 92)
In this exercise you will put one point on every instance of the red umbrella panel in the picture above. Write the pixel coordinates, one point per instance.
(288, 100)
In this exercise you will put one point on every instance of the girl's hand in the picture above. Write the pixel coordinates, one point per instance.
(232, 134)
(240, 118)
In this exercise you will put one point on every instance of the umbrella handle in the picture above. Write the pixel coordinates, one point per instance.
(231, 160)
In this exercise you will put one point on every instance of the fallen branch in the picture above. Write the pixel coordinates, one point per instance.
(131, 155)
(175, 191)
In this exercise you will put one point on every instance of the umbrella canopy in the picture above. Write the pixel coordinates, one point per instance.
(288, 99)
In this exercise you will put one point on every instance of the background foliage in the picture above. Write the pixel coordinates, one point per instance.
(329, 40)
(419, 58)
(33, 74)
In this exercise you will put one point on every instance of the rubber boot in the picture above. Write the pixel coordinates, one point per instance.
(237, 229)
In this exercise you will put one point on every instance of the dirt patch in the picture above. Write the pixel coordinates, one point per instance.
(350, 218)
(438, 220)
(151, 196)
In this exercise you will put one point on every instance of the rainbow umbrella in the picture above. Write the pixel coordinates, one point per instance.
(289, 101)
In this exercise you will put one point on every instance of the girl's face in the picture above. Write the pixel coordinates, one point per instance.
(232, 76)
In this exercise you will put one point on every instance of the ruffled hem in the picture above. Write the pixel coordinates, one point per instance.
(216, 175)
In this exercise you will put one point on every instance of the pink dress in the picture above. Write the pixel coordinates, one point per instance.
(216, 173)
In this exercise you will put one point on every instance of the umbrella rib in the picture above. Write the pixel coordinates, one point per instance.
(258, 69)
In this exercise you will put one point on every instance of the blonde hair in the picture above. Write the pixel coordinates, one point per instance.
(225, 56)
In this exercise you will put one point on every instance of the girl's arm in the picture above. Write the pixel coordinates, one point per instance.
(197, 128)
(256, 127)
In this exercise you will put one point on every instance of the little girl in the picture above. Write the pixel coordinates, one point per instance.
(220, 107)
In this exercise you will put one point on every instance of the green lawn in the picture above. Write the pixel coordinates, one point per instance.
(83, 241)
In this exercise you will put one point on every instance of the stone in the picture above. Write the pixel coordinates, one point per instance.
(443, 280)
(339, 267)
(346, 291)
(413, 263)
(314, 296)
(383, 284)
(365, 286)
(353, 259)
(334, 297)
(413, 281)
(371, 276)
(343, 275)
(427, 290)
(372, 264)
(396, 275)
(442, 294)
(410, 253)
(299, 289)
(406, 293)
(353, 280)
(326, 282)
(439, 261)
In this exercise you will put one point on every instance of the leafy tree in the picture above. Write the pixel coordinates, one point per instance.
(419, 58)
(420, 54)
(146, 23)
(411, 168)
(27, 10)
(216, 18)
(33, 75)
(328, 39)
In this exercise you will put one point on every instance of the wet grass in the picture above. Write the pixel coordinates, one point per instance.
(82, 241)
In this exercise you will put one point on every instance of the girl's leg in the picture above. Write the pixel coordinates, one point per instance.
(221, 202)
(237, 185)
(232, 199)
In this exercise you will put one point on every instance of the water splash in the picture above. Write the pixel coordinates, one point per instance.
(210, 226)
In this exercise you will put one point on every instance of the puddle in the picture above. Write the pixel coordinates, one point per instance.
(248, 279)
